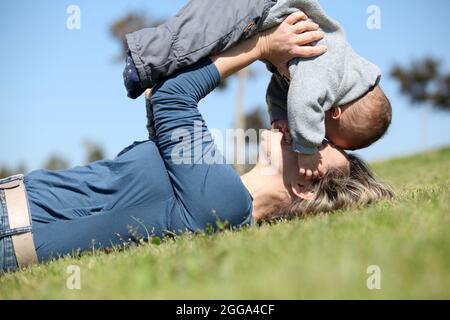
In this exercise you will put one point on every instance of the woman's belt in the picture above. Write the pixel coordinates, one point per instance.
(19, 219)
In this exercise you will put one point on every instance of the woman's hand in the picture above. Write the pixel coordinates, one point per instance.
(278, 45)
(291, 39)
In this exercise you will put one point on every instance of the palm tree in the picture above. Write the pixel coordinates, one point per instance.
(239, 118)
(426, 85)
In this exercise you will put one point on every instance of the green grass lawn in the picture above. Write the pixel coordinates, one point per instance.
(323, 257)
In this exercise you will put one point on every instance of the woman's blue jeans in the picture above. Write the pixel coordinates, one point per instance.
(7, 256)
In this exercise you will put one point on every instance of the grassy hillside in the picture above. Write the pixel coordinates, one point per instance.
(322, 257)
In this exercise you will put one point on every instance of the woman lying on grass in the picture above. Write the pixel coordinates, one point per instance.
(147, 191)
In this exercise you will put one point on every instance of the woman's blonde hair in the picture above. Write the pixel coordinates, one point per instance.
(339, 190)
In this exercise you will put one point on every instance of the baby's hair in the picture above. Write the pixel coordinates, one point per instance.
(367, 119)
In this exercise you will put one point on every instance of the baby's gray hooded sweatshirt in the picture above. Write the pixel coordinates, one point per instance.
(336, 78)
(205, 27)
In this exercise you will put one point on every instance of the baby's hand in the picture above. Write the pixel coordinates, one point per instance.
(310, 166)
(283, 127)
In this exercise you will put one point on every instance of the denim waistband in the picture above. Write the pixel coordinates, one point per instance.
(5, 231)
(8, 259)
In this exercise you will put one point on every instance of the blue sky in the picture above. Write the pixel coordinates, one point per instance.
(61, 87)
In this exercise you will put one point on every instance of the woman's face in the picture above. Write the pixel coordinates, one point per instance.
(277, 158)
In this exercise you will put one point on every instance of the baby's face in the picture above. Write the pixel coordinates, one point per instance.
(337, 140)
(333, 128)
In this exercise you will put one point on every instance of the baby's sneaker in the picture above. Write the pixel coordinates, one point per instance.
(131, 79)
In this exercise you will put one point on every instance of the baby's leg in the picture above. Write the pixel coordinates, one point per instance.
(201, 28)
(131, 79)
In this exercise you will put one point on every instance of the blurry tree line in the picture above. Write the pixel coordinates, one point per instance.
(423, 81)
(93, 152)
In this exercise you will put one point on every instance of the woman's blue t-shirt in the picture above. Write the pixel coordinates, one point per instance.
(172, 184)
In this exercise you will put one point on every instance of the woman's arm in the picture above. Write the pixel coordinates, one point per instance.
(278, 46)
(237, 58)
(206, 188)
(175, 100)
